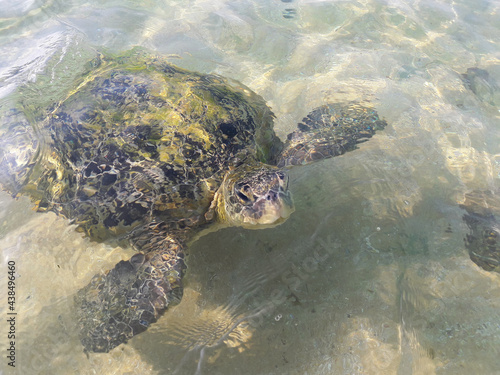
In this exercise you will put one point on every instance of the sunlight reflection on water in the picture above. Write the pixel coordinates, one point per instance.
(395, 293)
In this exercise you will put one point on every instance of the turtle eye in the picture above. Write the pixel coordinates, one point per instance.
(281, 175)
(242, 197)
(244, 193)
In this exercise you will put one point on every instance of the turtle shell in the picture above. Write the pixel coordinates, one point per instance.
(137, 140)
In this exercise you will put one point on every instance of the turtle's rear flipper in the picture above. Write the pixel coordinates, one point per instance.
(328, 131)
(116, 306)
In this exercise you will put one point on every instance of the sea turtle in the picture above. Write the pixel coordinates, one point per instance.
(148, 152)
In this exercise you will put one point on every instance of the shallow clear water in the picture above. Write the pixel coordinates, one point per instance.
(394, 290)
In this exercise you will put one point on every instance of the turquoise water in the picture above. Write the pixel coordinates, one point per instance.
(395, 291)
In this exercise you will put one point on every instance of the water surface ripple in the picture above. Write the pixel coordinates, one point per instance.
(396, 290)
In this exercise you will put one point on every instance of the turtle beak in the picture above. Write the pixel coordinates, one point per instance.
(272, 208)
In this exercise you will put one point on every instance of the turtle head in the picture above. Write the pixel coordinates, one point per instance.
(254, 196)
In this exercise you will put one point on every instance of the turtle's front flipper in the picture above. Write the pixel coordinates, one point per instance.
(328, 131)
(116, 306)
